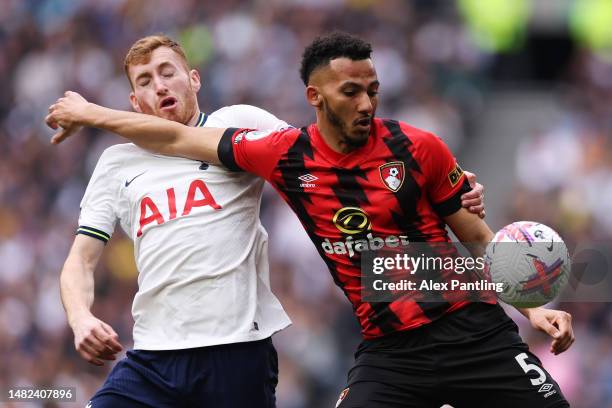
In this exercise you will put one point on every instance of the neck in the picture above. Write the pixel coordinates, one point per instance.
(332, 136)
(194, 118)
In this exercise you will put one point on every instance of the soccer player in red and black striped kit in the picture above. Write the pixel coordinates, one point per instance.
(355, 181)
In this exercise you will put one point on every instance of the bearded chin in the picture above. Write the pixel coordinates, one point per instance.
(351, 141)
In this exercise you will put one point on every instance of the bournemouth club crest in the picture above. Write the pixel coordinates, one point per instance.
(392, 175)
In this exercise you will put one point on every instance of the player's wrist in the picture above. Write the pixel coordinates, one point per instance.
(525, 311)
(77, 316)
(88, 115)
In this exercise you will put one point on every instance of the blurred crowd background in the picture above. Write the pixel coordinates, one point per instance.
(521, 90)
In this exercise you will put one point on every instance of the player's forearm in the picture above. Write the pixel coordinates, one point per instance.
(470, 230)
(76, 288)
(157, 134)
(479, 239)
(526, 311)
(77, 277)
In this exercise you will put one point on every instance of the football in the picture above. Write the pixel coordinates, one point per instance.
(532, 262)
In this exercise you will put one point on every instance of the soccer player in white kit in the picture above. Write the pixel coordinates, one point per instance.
(204, 312)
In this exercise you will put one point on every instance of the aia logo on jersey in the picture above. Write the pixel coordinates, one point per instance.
(158, 213)
(392, 175)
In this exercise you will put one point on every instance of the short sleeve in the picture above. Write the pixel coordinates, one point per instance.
(254, 151)
(98, 212)
(446, 182)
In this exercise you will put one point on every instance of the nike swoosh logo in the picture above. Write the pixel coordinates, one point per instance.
(127, 183)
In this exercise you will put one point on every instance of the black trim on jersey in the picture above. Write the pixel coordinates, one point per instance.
(225, 150)
(291, 166)
(408, 196)
(348, 190)
(452, 204)
(93, 232)
(350, 193)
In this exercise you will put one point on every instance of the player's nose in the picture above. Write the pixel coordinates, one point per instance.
(365, 105)
(160, 86)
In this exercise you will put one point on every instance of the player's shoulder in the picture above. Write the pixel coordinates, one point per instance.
(120, 150)
(398, 128)
(238, 109)
(417, 137)
(117, 154)
(244, 116)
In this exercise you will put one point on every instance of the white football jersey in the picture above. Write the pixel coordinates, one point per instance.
(201, 251)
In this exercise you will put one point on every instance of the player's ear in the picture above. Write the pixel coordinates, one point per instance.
(313, 96)
(134, 103)
(194, 77)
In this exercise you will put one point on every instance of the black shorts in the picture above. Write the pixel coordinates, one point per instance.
(225, 376)
(471, 358)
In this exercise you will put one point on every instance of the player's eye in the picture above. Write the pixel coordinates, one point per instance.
(143, 82)
(349, 93)
(168, 74)
(372, 93)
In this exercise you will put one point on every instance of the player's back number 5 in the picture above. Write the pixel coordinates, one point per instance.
(527, 367)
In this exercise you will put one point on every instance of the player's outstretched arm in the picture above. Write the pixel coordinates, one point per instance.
(147, 131)
(470, 228)
(93, 339)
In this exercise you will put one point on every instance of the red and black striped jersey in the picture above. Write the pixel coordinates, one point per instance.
(395, 189)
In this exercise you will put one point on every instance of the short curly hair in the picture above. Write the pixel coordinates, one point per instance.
(328, 47)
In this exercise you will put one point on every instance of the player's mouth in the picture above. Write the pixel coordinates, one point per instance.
(168, 103)
(364, 123)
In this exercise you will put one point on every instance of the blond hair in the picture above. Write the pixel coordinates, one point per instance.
(140, 52)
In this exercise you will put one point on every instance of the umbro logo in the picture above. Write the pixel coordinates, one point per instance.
(128, 182)
(545, 388)
(548, 389)
(307, 180)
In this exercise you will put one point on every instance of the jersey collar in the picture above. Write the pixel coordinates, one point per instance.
(201, 120)
(353, 158)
